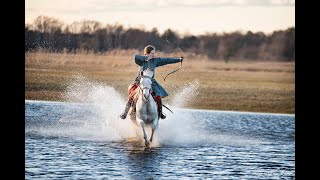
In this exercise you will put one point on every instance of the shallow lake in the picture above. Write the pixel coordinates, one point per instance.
(66, 140)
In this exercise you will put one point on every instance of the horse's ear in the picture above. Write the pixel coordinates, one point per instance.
(141, 73)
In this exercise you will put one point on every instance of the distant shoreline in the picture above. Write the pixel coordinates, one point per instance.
(260, 86)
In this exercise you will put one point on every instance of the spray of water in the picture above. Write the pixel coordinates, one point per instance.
(185, 129)
(179, 129)
(185, 94)
(106, 104)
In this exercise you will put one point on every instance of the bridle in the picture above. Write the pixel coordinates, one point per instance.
(145, 88)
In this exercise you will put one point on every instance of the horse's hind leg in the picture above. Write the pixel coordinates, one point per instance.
(147, 142)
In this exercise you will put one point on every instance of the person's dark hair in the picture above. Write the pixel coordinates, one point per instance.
(148, 49)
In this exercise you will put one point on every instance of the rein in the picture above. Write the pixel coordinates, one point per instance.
(145, 98)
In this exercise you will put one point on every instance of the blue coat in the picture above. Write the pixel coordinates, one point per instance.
(152, 64)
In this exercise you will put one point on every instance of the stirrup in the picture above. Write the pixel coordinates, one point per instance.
(162, 116)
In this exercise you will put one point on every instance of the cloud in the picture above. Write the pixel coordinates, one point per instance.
(148, 5)
(96, 7)
(197, 3)
(187, 15)
(207, 3)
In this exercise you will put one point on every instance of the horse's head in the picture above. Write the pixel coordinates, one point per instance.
(145, 83)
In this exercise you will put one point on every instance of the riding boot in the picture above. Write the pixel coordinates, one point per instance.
(162, 116)
(125, 112)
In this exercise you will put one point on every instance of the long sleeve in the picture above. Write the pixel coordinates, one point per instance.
(139, 59)
(164, 61)
(152, 64)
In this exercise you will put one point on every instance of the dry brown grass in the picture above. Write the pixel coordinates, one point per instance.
(238, 85)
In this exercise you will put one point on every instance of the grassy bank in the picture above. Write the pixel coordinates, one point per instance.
(216, 85)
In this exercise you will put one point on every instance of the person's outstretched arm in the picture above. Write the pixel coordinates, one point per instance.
(160, 61)
(164, 61)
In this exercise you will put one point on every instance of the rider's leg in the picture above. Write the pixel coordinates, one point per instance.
(162, 116)
(125, 112)
(131, 88)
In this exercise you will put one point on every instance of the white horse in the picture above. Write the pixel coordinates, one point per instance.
(146, 107)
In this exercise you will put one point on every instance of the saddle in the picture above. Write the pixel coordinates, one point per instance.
(132, 91)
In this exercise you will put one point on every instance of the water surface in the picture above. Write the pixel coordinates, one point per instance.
(87, 141)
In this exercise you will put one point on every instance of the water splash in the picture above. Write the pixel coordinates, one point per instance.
(106, 104)
(184, 129)
(189, 90)
(93, 110)
(187, 130)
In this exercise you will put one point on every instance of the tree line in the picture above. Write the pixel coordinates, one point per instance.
(53, 35)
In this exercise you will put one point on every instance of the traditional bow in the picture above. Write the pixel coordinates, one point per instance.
(180, 61)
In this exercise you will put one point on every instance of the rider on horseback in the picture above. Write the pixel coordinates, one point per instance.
(149, 61)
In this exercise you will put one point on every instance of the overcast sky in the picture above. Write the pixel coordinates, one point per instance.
(186, 16)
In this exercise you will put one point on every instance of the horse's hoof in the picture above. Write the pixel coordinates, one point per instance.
(147, 144)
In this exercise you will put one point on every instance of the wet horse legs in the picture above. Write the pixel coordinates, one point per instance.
(147, 142)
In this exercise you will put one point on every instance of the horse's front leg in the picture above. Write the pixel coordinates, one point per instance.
(152, 134)
(153, 128)
(147, 142)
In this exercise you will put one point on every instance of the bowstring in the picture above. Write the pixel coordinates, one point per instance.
(164, 78)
